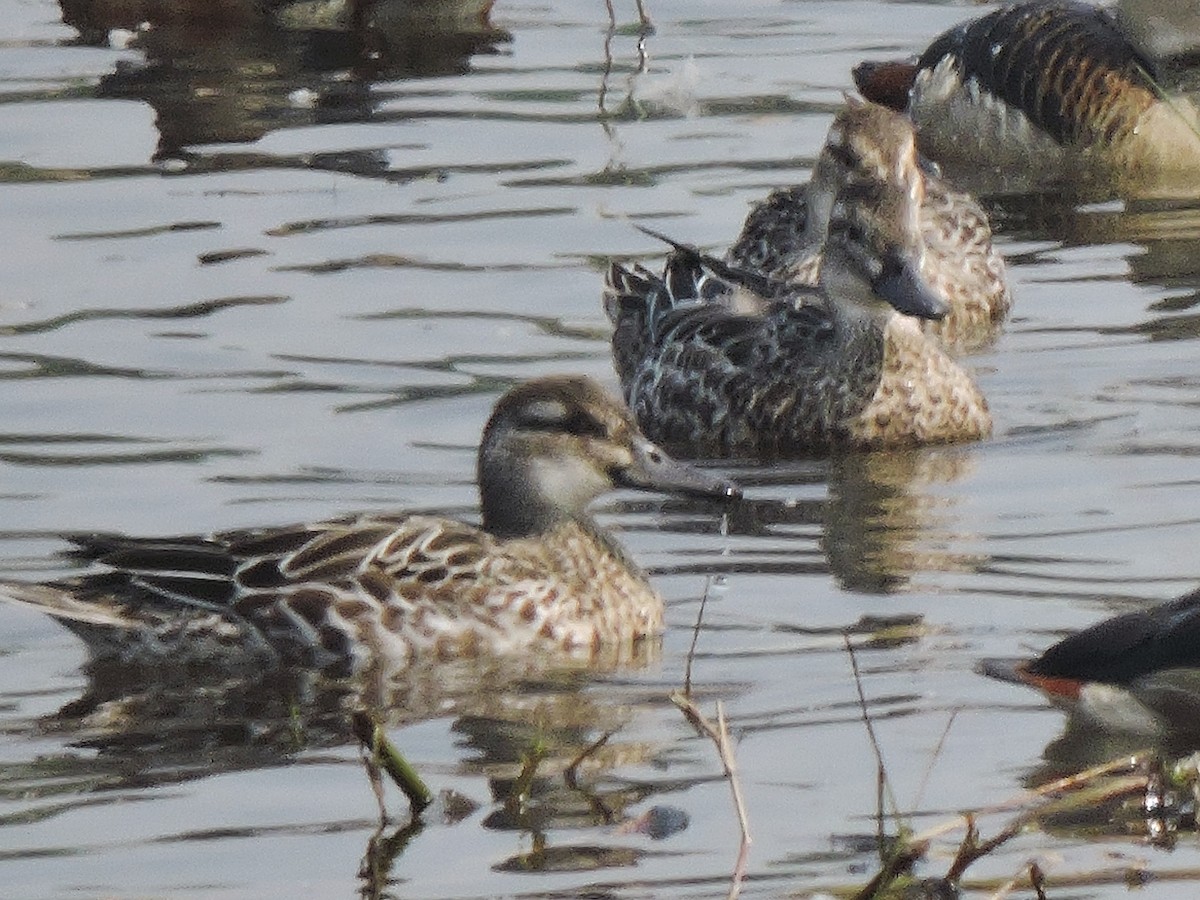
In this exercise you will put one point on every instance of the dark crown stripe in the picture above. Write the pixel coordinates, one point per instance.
(1060, 63)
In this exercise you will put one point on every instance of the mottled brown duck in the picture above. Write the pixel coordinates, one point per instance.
(783, 235)
(383, 590)
(718, 361)
(1046, 93)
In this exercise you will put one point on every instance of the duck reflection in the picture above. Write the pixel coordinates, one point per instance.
(231, 72)
(543, 735)
(1117, 803)
(165, 712)
(883, 519)
(1084, 744)
(1159, 240)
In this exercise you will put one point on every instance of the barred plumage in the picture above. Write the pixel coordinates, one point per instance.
(1046, 93)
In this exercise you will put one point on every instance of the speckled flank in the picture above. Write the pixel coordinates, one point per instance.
(922, 395)
(792, 381)
(963, 266)
(383, 590)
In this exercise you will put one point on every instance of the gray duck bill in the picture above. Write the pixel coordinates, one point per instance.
(654, 470)
(902, 285)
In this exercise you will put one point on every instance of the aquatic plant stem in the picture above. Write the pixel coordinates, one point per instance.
(691, 654)
(719, 735)
(383, 753)
(884, 785)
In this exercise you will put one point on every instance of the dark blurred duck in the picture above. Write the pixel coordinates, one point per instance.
(87, 15)
(384, 590)
(719, 361)
(1048, 93)
(232, 71)
(784, 234)
(1137, 672)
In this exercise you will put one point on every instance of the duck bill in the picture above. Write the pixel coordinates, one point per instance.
(903, 286)
(653, 470)
(1010, 669)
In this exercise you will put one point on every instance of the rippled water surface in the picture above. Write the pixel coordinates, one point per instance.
(256, 276)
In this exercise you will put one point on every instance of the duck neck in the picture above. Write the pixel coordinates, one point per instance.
(523, 497)
(510, 512)
(852, 302)
(820, 197)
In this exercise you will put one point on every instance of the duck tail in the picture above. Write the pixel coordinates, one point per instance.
(689, 276)
(62, 604)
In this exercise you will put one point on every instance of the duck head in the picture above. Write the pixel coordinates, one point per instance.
(554, 444)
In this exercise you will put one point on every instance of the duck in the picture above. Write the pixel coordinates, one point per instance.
(717, 361)
(782, 240)
(1044, 94)
(89, 16)
(1138, 672)
(384, 590)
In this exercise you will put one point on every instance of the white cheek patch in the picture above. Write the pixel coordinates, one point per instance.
(568, 483)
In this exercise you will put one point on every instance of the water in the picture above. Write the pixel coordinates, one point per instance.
(259, 277)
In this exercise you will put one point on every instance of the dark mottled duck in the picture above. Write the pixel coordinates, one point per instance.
(719, 361)
(1048, 92)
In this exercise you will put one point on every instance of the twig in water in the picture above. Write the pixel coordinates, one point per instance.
(608, 61)
(382, 753)
(719, 735)
(937, 752)
(381, 854)
(971, 849)
(883, 785)
(644, 18)
(691, 655)
(572, 770)
(900, 863)
(1037, 878)
(571, 778)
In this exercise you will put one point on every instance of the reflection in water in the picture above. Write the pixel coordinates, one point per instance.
(1165, 244)
(167, 710)
(509, 257)
(535, 730)
(1083, 746)
(882, 522)
(885, 522)
(234, 80)
(1166, 233)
